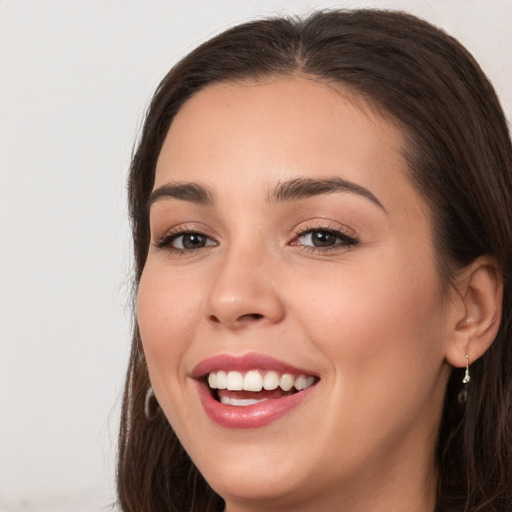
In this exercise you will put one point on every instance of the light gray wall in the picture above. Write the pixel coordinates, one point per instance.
(75, 77)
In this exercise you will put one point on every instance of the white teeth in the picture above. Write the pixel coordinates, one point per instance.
(240, 402)
(271, 381)
(287, 381)
(221, 380)
(303, 382)
(234, 381)
(300, 382)
(255, 381)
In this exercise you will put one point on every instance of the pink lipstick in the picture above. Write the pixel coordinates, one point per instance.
(250, 391)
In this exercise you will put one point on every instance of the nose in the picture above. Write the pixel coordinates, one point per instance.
(243, 292)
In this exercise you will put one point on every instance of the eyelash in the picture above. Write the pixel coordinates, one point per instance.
(166, 241)
(347, 240)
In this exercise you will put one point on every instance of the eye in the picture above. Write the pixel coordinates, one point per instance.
(190, 241)
(184, 241)
(319, 238)
(322, 238)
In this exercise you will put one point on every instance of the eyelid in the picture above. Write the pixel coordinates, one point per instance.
(342, 231)
(324, 225)
(164, 241)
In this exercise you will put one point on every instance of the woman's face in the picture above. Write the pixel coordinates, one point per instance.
(288, 248)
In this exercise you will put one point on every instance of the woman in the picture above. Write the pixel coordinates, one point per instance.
(322, 231)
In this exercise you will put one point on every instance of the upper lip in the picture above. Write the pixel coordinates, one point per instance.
(247, 362)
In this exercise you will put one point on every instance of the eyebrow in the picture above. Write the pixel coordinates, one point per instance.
(183, 191)
(301, 188)
(291, 190)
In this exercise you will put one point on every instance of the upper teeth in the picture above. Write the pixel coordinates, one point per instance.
(255, 381)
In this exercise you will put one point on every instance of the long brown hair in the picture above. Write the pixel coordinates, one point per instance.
(460, 159)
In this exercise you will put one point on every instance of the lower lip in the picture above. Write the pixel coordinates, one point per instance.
(249, 416)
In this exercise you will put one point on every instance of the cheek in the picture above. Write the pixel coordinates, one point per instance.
(166, 314)
(383, 340)
(382, 323)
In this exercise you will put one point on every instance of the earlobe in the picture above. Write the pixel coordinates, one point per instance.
(479, 290)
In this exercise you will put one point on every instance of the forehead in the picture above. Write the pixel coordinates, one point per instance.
(245, 134)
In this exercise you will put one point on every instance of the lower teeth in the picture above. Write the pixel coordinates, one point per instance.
(240, 402)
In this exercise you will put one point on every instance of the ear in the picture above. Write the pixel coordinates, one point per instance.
(475, 313)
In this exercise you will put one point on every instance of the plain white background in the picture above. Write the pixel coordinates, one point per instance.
(75, 77)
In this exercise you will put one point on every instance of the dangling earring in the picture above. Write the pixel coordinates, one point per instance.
(466, 378)
(462, 397)
(149, 395)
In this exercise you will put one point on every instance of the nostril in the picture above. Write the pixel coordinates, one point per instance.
(251, 316)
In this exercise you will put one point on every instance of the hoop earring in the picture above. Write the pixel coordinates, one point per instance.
(147, 410)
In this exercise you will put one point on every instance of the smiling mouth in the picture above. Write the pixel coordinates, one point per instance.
(242, 389)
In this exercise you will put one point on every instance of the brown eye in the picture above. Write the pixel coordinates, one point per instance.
(189, 241)
(324, 239)
(185, 241)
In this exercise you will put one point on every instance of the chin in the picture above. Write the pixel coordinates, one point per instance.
(255, 477)
(255, 489)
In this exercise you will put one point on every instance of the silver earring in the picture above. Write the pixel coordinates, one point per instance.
(462, 397)
(147, 412)
(466, 378)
